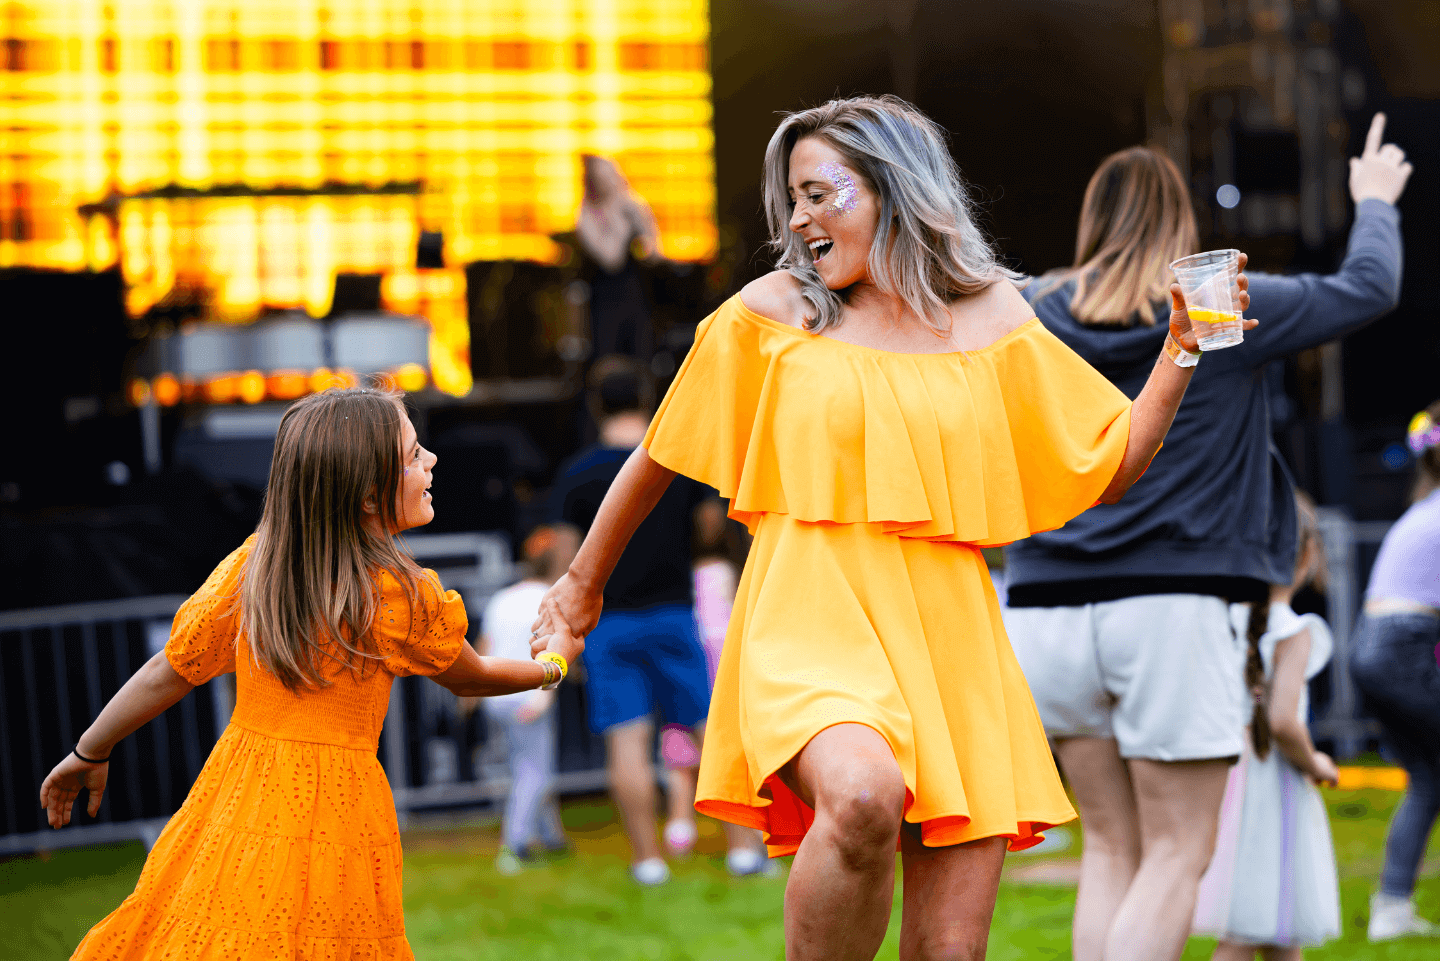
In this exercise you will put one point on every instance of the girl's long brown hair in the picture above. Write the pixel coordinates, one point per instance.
(1136, 218)
(309, 592)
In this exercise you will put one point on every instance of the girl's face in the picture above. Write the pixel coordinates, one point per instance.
(834, 211)
(412, 500)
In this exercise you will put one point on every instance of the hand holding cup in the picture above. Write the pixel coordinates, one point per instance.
(1208, 303)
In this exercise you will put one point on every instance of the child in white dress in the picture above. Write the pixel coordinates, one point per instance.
(1271, 886)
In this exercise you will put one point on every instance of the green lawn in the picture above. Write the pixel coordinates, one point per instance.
(584, 907)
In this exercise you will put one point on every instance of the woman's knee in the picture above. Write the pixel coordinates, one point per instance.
(865, 808)
(953, 944)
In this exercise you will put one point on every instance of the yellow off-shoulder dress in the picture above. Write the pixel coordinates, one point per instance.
(287, 846)
(870, 481)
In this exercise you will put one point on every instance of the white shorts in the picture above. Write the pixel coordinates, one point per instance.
(1163, 674)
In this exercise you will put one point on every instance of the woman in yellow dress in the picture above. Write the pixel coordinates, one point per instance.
(876, 411)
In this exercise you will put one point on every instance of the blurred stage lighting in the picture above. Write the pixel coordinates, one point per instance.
(1228, 196)
(233, 157)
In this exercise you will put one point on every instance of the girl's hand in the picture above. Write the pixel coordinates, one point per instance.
(573, 603)
(58, 793)
(1381, 170)
(555, 635)
(1323, 769)
(1180, 320)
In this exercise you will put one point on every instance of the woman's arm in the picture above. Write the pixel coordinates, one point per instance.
(577, 595)
(149, 693)
(1290, 734)
(1154, 410)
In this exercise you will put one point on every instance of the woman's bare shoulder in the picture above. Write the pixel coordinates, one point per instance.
(991, 313)
(777, 296)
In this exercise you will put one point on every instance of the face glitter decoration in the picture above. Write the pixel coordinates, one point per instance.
(846, 193)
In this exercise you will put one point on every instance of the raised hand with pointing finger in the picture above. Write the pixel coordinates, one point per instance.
(1381, 170)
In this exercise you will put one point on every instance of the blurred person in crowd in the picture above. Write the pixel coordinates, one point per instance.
(1121, 618)
(287, 844)
(616, 229)
(716, 578)
(1393, 661)
(1271, 886)
(531, 822)
(645, 653)
(877, 410)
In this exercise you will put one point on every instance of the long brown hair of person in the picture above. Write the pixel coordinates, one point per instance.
(1135, 220)
(309, 592)
(1427, 464)
(1309, 569)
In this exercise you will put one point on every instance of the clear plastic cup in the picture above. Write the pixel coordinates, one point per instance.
(1208, 282)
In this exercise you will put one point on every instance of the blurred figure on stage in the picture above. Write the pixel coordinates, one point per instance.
(1272, 887)
(645, 654)
(617, 231)
(1393, 661)
(1121, 618)
(531, 822)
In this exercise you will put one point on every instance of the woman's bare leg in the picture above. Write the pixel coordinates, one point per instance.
(1179, 807)
(949, 897)
(1111, 828)
(1230, 951)
(837, 900)
(1273, 952)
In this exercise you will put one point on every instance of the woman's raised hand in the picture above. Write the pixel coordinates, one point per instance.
(1180, 320)
(63, 786)
(1380, 172)
(554, 630)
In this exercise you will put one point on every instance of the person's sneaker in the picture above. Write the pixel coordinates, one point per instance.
(1393, 917)
(650, 872)
(680, 837)
(744, 862)
(507, 863)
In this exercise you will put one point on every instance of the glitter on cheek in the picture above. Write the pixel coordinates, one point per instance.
(847, 195)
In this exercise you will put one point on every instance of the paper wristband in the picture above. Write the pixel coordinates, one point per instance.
(559, 661)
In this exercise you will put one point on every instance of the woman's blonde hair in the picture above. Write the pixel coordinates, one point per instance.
(309, 590)
(1135, 220)
(927, 250)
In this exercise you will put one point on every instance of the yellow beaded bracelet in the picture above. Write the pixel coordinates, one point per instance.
(550, 657)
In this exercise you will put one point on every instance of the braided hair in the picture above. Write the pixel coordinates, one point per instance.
(1255, 680)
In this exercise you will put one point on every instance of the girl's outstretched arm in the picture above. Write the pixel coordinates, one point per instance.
(577, 595)
(149, 693)
(475, 676)
(1291, 735)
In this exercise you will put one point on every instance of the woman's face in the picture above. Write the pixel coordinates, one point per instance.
(412, 499)
(834, 211)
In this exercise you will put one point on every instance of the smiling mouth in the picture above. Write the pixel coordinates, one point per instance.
(819, 248)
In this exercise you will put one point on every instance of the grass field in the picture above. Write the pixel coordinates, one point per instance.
(585, 907)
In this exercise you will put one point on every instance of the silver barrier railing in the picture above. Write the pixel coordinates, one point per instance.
(1343, 538)
(58, 667)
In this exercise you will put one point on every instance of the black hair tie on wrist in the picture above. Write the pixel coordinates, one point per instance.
(88, 760)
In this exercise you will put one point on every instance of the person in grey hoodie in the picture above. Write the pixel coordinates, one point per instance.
(1120, 618)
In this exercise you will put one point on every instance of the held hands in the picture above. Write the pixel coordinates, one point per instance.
(1180, 320)
(1323, 770)
(1381, 169)
(62, 787)
(552, 631)
(574, 604)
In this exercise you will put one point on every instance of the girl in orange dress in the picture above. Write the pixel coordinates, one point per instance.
(287, 846)
(876, 411)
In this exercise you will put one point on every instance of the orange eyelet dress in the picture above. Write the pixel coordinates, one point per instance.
(287, 846)
(870, 481)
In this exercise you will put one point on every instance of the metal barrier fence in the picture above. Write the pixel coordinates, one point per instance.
(59, 665)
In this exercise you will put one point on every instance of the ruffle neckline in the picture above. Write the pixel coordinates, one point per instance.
(984, 447)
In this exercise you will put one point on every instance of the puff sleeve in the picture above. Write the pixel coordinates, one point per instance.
(203, 634)
(426, 643)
